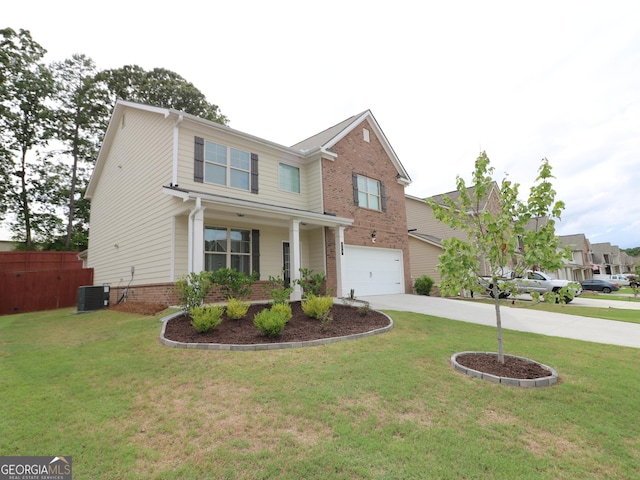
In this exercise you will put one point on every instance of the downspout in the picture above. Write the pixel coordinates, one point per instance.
(176, 132)
(192, 214)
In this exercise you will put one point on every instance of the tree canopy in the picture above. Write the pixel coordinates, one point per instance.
(52, 121)
(498, 231)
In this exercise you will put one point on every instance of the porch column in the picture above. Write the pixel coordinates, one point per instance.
(294, 258)
(196, 238)
(341, 271)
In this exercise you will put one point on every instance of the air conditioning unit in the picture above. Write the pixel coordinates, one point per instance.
(93, 297)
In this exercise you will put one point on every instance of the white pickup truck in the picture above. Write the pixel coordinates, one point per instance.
(538, 282)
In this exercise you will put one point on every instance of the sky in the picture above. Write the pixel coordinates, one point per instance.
(445, 80)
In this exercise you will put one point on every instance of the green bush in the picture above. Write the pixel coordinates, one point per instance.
(236, 309)
(270, 322)
(423, 285)
(278, 291)
(234, 284)
(317, 307)
(193, 289)
(204, 319)
(283, 309)
(310, 282)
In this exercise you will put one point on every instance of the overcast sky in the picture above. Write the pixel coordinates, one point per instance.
(445, 79)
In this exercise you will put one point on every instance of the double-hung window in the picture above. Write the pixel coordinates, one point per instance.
(226, 166)
(227, 248)
(369, 193)
(289, 178)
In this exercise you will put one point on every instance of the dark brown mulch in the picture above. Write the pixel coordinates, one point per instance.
(512, 368)
(346, 321)
(139, 308)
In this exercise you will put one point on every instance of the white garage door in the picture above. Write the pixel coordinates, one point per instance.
(373, 271)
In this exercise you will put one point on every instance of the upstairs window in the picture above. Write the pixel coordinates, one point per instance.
(289, 178)
(227, 166)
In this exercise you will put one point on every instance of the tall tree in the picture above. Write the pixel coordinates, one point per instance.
(25, 118)
(81, 117)
(160, 87)
(509, 236)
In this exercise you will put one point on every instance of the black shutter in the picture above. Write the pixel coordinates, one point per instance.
(354, 179)
(383, 197)
(254, 173)
(255, 251)
(198, 160)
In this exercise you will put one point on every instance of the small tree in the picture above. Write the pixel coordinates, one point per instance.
(499, 232)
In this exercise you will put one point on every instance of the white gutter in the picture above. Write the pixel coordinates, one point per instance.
(176, 132)
(193, 213)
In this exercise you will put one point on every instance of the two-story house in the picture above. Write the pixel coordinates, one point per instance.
(426, 232)
(172, 193)
(579, 267)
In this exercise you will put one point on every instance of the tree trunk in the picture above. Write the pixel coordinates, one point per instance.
(496, 304)
(72, 191)
(24, 200)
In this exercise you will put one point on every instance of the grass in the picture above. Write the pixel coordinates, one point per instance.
(101, 388)
(620, 314)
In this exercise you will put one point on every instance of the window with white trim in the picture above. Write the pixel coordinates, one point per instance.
(289, 178)
(227, 248)
(226, 166)
(369, 193)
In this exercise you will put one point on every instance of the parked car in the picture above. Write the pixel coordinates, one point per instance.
(599, 285)
(620, 279)
(533, 282)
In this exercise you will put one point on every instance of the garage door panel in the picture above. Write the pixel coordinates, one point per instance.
(374, 271)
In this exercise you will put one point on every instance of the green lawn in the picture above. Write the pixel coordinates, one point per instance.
(100, 387)
(620, 314)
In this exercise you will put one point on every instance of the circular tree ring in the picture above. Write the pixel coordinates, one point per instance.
(545, 381)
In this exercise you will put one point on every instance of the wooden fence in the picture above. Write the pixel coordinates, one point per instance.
(34, 281)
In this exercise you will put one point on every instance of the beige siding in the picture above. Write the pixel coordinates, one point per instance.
(269, 159)
(420, 216)
(316, 258)
(423, 259)
(314, 186)
(129, 222)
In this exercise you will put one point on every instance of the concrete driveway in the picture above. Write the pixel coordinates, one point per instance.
(524, 320)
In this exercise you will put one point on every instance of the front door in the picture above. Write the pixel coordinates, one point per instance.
(286, 264)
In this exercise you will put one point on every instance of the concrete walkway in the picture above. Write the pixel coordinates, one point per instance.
(521, 319)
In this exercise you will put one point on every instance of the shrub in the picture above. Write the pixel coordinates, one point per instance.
(234, 284)
(283, 309)
(423, 285)
(311, 283)
(204, 319)
(317, 307)
(270, 322)
(278, 291)
(193, 289)
(236, 309)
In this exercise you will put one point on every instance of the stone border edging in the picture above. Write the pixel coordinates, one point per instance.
(265, 346)
(514, 382)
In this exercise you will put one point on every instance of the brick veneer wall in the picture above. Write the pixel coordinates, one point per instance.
(371, 160)
(165, 293)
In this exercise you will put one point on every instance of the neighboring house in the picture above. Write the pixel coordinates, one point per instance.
(606, 259)
(579, 267)
(426, 232)
(172, 193)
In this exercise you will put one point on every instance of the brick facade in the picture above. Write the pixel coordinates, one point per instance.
(165, 294)
(371, 160)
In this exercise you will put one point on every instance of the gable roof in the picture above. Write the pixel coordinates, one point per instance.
(455, 195)
(319, 143)
(326, 140)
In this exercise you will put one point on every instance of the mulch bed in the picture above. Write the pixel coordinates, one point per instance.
(346, 321)
(512, 368)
